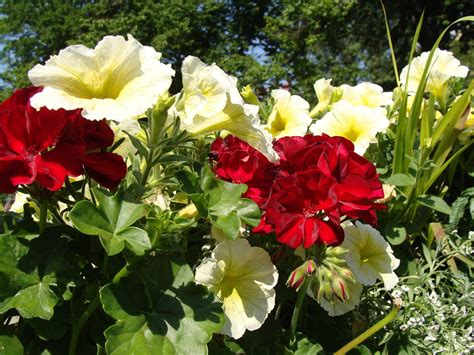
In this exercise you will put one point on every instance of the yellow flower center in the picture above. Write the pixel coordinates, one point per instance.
(278, 124)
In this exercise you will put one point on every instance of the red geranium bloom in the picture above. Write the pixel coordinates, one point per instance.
(26, 136)
(46, 146)
(318, 180)
(303, 210)
(238, 162)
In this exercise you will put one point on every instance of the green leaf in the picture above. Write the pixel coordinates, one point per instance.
(229, 225)
(434, 202)
(111, 220)
(160, 312)
(9, 344)
(400, 180)
(457, 211)
(395, 235)
(305, 346)
(36, 274)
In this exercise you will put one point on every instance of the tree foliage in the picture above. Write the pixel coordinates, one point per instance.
(266, 43)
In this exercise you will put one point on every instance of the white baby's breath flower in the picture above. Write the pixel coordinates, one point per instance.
(359, 124)
(444, 66)
(118, 80)
(369, 256)
(210, 101)
(243, 277)
(366, 94)
(290, 115)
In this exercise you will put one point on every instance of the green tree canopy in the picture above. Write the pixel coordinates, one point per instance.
(264, 42)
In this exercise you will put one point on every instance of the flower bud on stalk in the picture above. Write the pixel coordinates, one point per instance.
(300, 273)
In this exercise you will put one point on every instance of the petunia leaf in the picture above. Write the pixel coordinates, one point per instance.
(161, 311)
(112, 221)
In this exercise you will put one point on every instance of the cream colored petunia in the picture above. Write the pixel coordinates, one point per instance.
(118, 80)
(121, 129)
(359, 124)
(324, 92)
(369, 256)
(336, 307)
(205, 90)
(290, 115)
(366, 94)
(243, 277)
(444, 66)
(210, 102)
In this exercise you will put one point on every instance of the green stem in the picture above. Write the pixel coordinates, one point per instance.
(77, 327)
(369, 332)
(122, 272)
(149, 166)
(297, 310)
(43, 215)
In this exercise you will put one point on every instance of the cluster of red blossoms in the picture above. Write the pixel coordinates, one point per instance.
(46, 146)
(318, 181)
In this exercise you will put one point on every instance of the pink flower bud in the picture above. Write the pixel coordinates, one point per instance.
(296, 278)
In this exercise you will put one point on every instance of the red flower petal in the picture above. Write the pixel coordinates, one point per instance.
(108, 169)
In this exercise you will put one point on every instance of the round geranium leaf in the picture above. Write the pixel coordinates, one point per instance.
(160, 312)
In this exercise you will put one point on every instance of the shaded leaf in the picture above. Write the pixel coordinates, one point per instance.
(434, 202)
(111, 220)
(161, 312)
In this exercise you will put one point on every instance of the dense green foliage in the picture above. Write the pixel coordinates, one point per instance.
(265, 43)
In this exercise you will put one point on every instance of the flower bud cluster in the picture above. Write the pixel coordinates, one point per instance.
(300, 273)
(330, 281)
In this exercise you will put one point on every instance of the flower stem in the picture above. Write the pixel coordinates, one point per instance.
(77, 327)
(122, 272)
(297, 310)
(43, 215)
(369, 332)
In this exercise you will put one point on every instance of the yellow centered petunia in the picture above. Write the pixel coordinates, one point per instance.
(243, 278)
(118, 80)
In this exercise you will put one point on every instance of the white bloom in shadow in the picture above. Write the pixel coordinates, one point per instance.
(369, 256)
(210, 102)
(290, 115)
(118, 80)
(444, 66)
(359, 124)
(336, 307)
(243, 277)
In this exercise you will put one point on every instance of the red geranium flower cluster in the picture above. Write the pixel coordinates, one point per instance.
(317, 181)
(46, 146)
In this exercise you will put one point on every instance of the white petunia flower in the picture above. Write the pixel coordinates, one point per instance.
(324, 92)
(118, 80)
(336, 307)
(205, 90)
(369, 256)
(444, 66)
(290, 115)
(366, 94)
(359, 124)
(211, 102)
(133, 128)
(243, 277)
